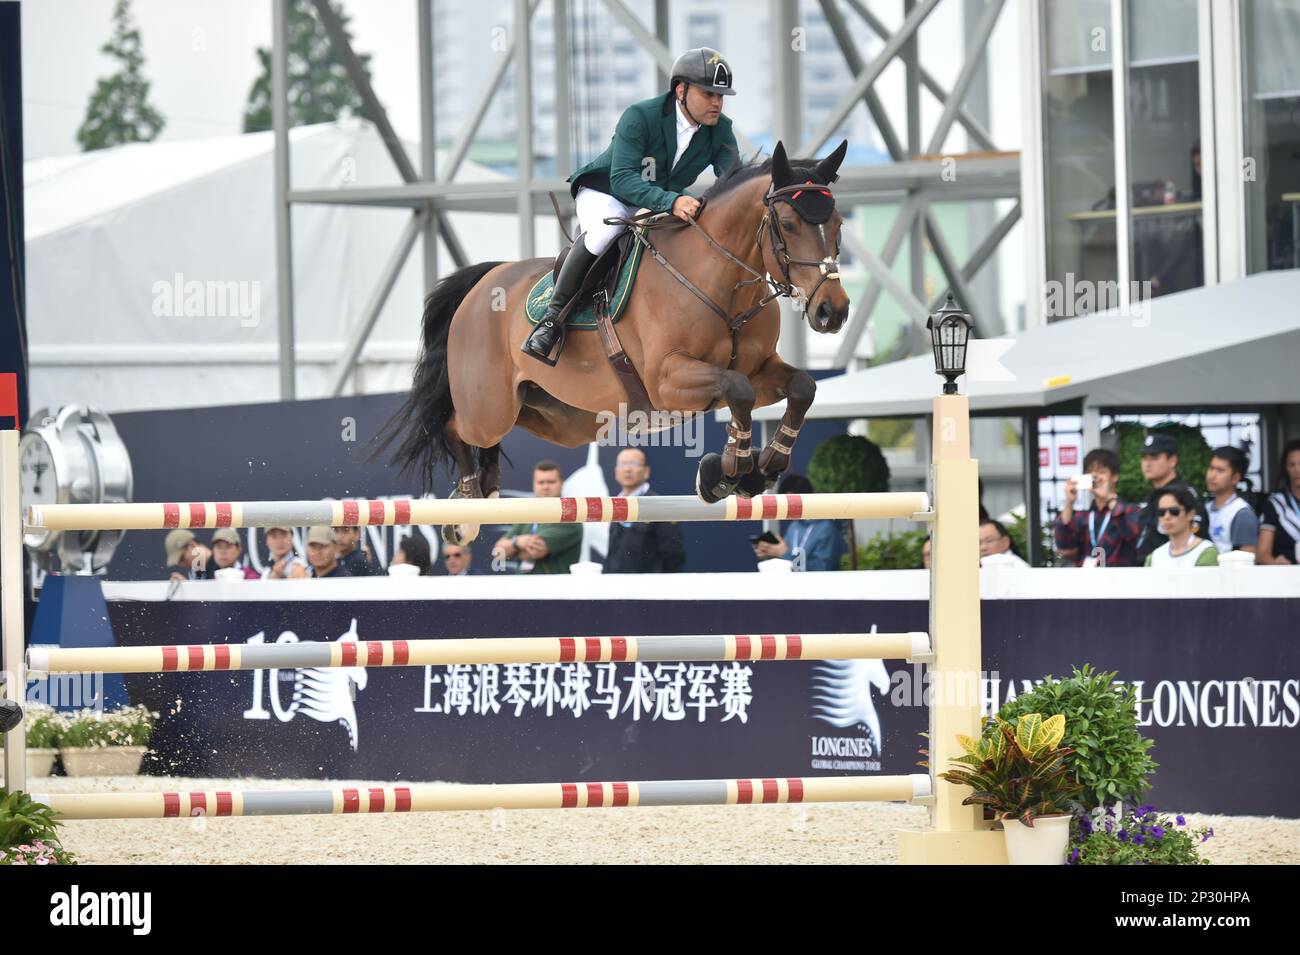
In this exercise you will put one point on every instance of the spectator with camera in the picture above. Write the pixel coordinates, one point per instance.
(1096, 528)
(811, 545)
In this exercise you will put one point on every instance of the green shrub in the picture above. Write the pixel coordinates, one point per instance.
(1193, 457)
(900, 550)
(848, 464)
(42, 724)
(1111, 758)
(129, 726)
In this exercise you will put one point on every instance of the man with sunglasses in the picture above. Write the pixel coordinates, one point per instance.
(659, 148)
(1160, 467)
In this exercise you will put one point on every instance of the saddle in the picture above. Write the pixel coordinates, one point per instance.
(597, 291)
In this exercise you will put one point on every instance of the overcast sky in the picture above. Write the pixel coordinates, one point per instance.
(200, 56)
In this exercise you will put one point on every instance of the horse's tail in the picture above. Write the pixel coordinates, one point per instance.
(427, 409)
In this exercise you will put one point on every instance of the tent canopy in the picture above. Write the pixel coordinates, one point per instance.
(1230, 344)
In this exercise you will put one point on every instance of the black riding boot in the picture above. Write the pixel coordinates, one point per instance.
(543, 338)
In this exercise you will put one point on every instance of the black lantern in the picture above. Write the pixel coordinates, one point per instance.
(950, 329)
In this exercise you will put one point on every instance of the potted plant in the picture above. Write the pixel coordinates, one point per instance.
(41, 723)
(27, 832)
(105, 744)
(1137, 836)
(1111, 759)
(1021, 772)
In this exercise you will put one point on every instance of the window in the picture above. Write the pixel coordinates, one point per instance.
(1272, 133)
(1079, 133)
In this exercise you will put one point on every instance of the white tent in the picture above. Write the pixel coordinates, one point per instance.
(1230, 344)
(117, 238)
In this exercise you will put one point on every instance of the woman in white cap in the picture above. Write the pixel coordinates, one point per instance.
(284, 563)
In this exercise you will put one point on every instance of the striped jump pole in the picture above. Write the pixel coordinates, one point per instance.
(914, 647)
(446, 797)
(510, 510)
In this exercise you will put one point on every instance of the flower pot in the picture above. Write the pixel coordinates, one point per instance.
(102, 760)
(40, 762)
(1044, 844)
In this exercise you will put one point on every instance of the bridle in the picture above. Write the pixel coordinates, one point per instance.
(770, 225)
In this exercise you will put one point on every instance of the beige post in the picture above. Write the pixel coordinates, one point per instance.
(957, 833)
(11, 607)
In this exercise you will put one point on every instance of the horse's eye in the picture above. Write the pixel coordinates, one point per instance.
(789, 224)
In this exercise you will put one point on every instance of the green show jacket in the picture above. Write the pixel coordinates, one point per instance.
(563, 543)
(637, 166)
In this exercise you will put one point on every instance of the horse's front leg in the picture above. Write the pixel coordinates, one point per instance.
(688, 384)
(773, 381)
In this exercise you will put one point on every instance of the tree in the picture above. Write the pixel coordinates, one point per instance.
(320, 90)
(119, 110)
(849, 464)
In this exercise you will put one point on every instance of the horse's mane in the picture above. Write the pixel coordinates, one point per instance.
(742, 172)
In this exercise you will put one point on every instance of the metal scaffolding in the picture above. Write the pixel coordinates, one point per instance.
(912, 181)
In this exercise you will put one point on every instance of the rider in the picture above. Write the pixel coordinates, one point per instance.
(659, 148)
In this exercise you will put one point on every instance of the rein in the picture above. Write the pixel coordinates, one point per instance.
(828, 265)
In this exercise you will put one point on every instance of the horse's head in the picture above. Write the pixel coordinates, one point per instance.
(803, 227)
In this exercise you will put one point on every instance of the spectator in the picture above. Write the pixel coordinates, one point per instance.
(542, 548)
(1107, 532)
(1160, 467)
(350, 554)
(812, 545)
(283, 562)
(925, 553)
(322, 553)
(415, 550)
(1279, 528)
(456, 560)
(642, 548)
(227, 551)
(187, 559)
(1233, 522)
(997, 544)
(1175, 510)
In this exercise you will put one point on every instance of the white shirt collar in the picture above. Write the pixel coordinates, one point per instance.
(636, 492)
(684, 124)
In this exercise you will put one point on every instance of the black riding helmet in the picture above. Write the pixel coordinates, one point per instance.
(705, 68)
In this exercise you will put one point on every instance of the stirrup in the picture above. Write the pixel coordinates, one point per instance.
(556, 348)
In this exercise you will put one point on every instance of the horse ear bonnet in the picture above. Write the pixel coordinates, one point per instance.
(813, 204)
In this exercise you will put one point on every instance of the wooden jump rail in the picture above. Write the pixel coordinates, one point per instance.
(913, 647)
(450, 797)
(509, 510)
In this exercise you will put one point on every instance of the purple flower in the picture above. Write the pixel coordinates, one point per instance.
(1085, 825)
(1123, 835)
(1208, 832)
(1139, 839)
(1180, 820)
(1110, 826)
(1074, 857)
(1158, 832)
(1144, 811)
(1110, 812)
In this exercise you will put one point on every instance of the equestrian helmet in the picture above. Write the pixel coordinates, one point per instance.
(705, 68)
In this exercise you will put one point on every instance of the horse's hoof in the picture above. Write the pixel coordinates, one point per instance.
(459, 535)
(755, 483)
(710, 483)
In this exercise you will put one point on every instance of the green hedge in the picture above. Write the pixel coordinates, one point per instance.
(1193, 457)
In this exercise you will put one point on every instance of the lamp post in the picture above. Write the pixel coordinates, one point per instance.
(950, 330)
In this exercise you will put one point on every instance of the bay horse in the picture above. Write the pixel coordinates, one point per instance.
(701, 328)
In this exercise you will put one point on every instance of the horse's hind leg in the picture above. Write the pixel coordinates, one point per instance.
(467, 486)
(773, 381)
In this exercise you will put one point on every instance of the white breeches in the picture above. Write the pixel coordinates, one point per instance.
(593, 209)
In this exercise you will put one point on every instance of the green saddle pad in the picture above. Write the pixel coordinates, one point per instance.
(584, 316)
